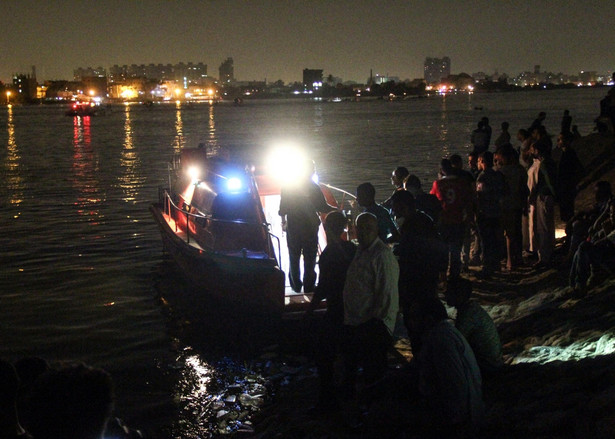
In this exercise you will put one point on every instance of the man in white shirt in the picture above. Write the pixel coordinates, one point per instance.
(371, 304)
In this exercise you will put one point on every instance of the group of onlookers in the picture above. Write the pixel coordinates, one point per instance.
(499, 215)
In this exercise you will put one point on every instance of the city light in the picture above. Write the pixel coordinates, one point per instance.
(8, 98)
(128, 93)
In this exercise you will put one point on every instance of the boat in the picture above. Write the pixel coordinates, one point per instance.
(219, 222)
(84, 108)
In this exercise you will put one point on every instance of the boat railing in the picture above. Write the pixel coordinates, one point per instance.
(170, 207)
(277, 238)
(346, 197)
(346, 202)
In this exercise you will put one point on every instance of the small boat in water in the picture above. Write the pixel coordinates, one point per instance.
(219, 222)
(83, 109)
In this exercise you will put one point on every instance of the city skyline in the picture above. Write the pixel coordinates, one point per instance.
(276, 40)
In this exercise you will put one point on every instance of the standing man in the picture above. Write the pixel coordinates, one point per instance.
(422, 256)
(514, 203)
(566, 122)
(480, 138)
(333, 262)
(455, 195)
(398, 177)
(504, 136)
(300, 204)
(366, 197)
(569, 173)
(542, 197)
(490, 189)
(371, 303)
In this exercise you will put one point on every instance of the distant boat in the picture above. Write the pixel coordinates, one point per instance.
(83, 109)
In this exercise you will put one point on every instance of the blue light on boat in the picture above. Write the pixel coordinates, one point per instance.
(233, 184)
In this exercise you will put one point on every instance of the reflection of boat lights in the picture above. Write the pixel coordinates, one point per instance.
(202, 375)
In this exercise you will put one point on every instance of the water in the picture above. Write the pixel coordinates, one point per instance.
(82, 273)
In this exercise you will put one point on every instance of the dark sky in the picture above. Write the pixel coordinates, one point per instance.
(277, 39)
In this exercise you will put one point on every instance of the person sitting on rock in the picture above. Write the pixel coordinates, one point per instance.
(449, 378)
(475, 325)
(591, 254)
(577, 227)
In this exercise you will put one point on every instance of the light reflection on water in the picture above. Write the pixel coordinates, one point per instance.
(14, 180)
(131, 179)
(84, 173)
(178, 144)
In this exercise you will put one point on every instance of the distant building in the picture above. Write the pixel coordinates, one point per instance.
(312, 80)
(184, 73)
(380, 79)
(94, 86)
(436, 69)
(586, 77)
(226, 72)
(89, 72)
(26, 85)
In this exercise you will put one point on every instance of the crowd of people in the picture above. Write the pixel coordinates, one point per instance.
(497, 216)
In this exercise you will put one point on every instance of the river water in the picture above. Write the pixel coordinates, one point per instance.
(82, 272)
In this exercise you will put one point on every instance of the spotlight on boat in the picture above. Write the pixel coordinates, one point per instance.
(288, 163)
(194, 174)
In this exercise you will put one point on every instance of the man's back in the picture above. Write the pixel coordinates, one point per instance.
(490, 189)
(386, 225)
(481, 333)
(300, 205)
(334, 262)
(455, 196)
(516, 181)
(449, 375)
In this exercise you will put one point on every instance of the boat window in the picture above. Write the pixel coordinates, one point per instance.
(234, 206)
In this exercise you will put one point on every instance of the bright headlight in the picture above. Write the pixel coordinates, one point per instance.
(288, 163)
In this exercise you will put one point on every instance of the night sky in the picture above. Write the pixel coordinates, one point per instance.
(277, 39)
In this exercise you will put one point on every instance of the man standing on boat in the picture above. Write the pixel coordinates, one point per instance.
(300, 204)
